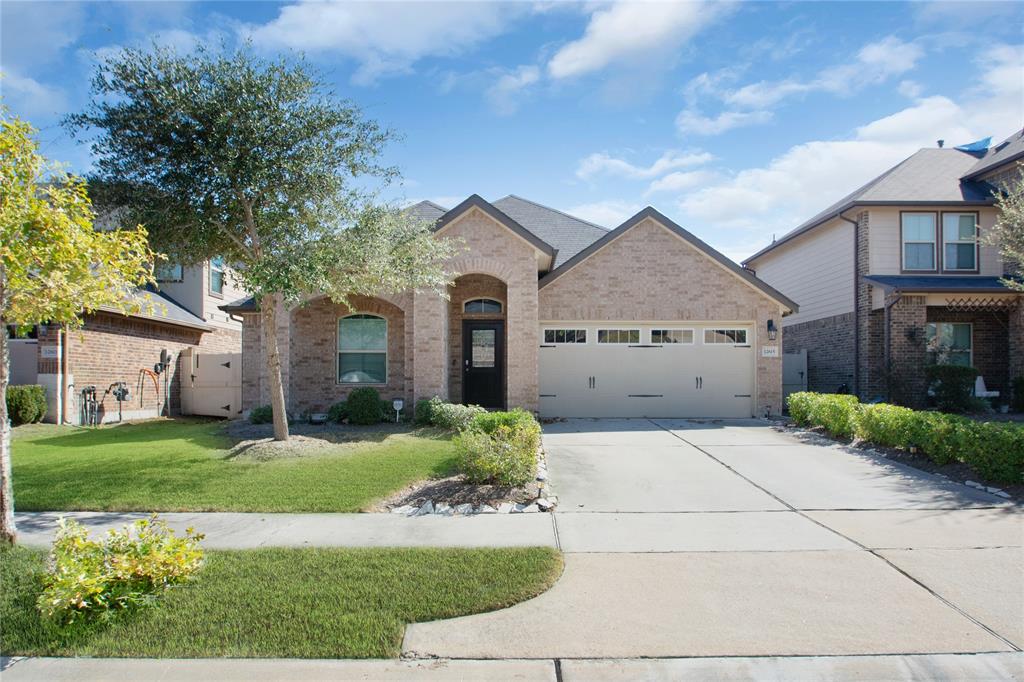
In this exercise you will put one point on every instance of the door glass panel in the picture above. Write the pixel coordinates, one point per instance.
(482, 352)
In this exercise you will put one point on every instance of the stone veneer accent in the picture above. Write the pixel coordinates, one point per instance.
(625, 280)
(469, 287)
(829, 345)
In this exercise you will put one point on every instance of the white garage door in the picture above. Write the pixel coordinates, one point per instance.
(598, 369)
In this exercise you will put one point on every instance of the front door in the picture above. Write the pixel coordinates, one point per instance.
(483, 360)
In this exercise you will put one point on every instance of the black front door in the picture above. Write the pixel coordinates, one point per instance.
(483, 363)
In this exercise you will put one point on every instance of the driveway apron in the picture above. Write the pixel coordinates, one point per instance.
(731, 538)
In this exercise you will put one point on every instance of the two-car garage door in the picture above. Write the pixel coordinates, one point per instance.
(601, 369)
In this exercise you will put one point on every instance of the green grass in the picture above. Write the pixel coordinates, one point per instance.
(186, 465)
(309, 603)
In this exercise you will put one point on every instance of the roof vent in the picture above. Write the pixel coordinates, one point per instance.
(940, 143)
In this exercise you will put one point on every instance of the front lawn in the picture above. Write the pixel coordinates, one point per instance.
(302, 603)
(188, 465)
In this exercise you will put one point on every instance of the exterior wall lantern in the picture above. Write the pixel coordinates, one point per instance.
(773, 331)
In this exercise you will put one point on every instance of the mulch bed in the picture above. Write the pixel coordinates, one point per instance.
(454, 491)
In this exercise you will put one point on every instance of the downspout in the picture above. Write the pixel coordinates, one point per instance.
(65, 363)
(856, 302)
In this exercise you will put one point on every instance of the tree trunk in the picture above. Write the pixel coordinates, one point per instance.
(268, 314)
(8, 531)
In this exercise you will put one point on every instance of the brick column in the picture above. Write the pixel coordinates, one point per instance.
(1015, 330)
(523, 341)
(908, 384)
(868, 384)
(430, 346)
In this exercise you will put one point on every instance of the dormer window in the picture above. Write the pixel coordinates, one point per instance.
(487, 306)
(919, 253)
(960, 242)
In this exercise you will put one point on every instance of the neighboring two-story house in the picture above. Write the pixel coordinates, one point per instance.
(896, 275)
(112, 347)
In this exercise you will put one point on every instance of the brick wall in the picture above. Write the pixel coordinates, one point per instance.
(112, 347)
(907, 383)
(1015, 344)
(469, 287)
(991, 343)
(649, 273)
(829, 345)
(868, 383)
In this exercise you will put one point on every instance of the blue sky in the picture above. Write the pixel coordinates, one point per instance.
(738, 119)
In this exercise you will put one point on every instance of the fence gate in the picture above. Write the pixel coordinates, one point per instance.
(211, 383)
(794, 373)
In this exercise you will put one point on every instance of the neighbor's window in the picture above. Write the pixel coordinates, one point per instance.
(217, 275)
(948, 343)
(362, 350)
(959, 241)
(918, 241)
(672, 336)
(168, 272)
(618, 336)
(482, 305)
(725, 336)
(565, 336)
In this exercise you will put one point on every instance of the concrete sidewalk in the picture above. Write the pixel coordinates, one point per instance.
(243, 531)
(1002, 667)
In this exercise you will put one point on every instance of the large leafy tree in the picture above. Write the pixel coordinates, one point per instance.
(221, 153)
(1008, 232)
(53, 265)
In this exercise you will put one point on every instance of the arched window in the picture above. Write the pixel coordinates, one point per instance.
(482, 305)
(362, 350)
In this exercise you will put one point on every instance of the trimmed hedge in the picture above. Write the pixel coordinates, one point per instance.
(26, 404)
(499, 447)
(994, 449)
(364, 406)
(953, 386)
(452, 416)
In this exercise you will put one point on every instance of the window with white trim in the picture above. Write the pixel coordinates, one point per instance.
(959, 241)
(168, 272)
(362, 350)
(730, 337)
(482, 305)
(217, 276)
(948, 343)
(672, 336)
(559, 336)
(918, 241)
(618, 336)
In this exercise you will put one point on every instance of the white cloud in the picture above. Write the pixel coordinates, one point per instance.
(805, 179)
(631, 30)
(678, 181)
(609, 213)
(29, 98)
(874, 63)
(692, 121)
(909, 88)
(34, 33)
(385, 37)
(505, 92)
(602, 163)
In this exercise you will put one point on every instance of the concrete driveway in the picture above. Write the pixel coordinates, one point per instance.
(730, 538)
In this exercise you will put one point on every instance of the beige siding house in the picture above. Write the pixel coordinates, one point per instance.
(897, 275)
(549, 313)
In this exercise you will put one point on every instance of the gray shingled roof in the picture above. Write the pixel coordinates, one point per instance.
(929, 176)
(939, 283)
(564, 232)
(1010, 149)
(426, 210)
(164, 309)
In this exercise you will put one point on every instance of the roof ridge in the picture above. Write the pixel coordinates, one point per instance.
(428, 201)
(555, 210)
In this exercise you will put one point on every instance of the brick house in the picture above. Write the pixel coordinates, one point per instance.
(547, 312)
(112, 347)
(896, 276)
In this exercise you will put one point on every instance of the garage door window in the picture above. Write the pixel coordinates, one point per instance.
(672, 336)
(731, 337)
(559, 336)
(618, 336)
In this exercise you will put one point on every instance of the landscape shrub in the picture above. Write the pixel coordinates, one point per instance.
(1017, 401)
(519, 420)
(953, 387)
(423, 414)
(504, 457)
(264, 414)
(888, 425)
(452, 416)
(337, 412)
(26, 404)
(123, 570)
(799, 405)
(834, 412)
(364, 406)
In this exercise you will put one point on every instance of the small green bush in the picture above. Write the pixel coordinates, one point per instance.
(264, 414)
(365, 406)
(1017, 401)
(888, 425)
(423, 414)
(337, 412)
(953, 387)
(834, 412)
(799, 405)
(452, 416)
(519, 420)
(26, 404)
(124, 570)
(505, 457)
